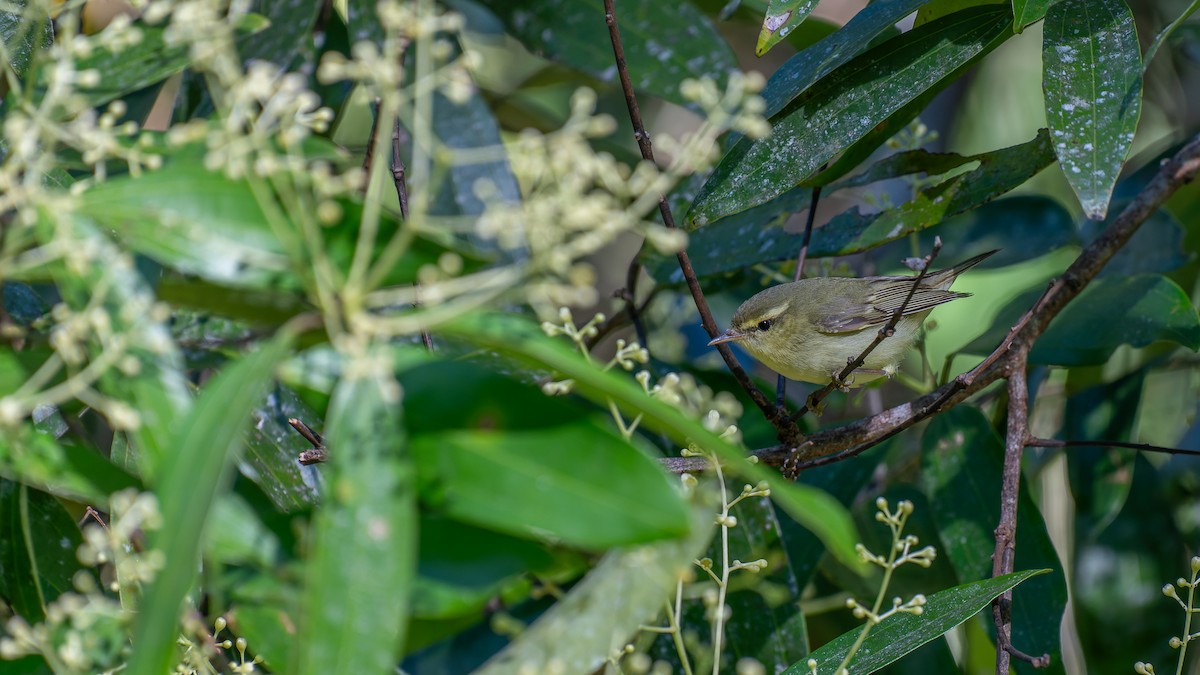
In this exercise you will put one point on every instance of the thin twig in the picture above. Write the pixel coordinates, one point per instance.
(369, 155)
(1006, 532)
(401, 184)
(787, 430)
(319, 453)
(781, 383)
(398, 170)
(629, 295)
(1145, 447)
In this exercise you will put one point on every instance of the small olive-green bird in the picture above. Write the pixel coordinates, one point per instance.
(808, 329)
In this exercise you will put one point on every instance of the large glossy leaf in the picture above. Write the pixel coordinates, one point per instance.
(781, 19)
(1152, 308)
(962, 462)
(903, 633)
(272, 447)
(360, 569)
(665, 42)
(1029, 11)
(150, 60)
(1101, 477)
(1157, 246)
(38, 539)
(203, 223)
(194, 220)
(462, 567)
(503, 455)
(732, 243)
(21, 37)
(63, 469)
(1092, 79)
(844, 107)
(1022, 227)
(204, 443)
(509, 334)
(289, 38)
(466, 127)
(810, 65)
(157, 390)
(625, 590)
(998, 172)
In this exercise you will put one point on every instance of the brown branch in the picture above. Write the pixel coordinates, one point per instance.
(787, 430)
(319, 453)
(369, 155)
(1006, 532)
(398, 170)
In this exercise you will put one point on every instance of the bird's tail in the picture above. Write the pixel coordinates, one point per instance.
(947, 276)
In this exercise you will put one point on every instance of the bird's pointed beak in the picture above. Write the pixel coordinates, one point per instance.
(728, 336)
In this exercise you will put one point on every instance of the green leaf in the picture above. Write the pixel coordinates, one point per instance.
(149, 61)
(505, 456)
(845, 106)
(463, 567)
(193, 220)
(1023, 227)
(38, 540)
(470, 126)
(1157, 246)
(998, 172)
(289, 40)
(272, 446)
(1101, 477)
(962, 464)
(600, 614)
(812, 508)
(241, 538)
(205, 442)
(781, 19)
(1092, 79)
(1028, 12)
(63, 469)
(22, 37)
(738, 241)
(158, 391)
(1152, 308)
(809, 65)
(202, 223)
(900, 634)
(665, 42)
(362, 22)
(361, 566)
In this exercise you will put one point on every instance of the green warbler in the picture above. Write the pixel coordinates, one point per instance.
(807, 330)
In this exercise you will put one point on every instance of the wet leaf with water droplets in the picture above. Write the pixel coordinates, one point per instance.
(1091, 76)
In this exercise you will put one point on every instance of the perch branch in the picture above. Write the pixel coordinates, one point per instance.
(1006, 531)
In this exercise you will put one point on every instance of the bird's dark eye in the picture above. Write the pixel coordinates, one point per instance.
(764, 325)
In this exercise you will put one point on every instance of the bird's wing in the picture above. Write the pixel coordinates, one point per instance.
(887, 295)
